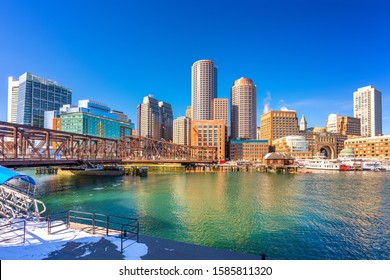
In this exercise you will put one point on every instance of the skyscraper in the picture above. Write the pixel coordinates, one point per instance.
(155, 119)
(189, 112)
(182, 131)
(148, 118)
(243, 109)
(34, 96)
(13, 93)
(367, 106)
(166, 115)
(220, 109)
(204, 89)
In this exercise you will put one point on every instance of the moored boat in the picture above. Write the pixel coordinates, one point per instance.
(90, 169)
(322, 163)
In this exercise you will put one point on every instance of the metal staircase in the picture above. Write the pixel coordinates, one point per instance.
(17, 196)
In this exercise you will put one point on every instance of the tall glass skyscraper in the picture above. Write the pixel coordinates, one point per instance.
(35, 95)
(243, 109)
(204, 89)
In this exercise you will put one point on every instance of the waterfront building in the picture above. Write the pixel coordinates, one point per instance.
(367, 106)
(278, 159)
(303, 124)
(220, 109)
(166, 115)
(204, 89)
(30, 96)
(189, 112)
(13, 93)
(182, 131)
(370, 147)
(210, 133)
(348, 126)
(243, 109)
(277, 124)
(343, 124)
(347, 153)
(294, 145)
(321, 142)
(91, 118)
(248, 150)
(155, 119)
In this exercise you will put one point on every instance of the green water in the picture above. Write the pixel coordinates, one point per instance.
(310, 216)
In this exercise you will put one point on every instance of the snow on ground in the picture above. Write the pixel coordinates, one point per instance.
(39, 244)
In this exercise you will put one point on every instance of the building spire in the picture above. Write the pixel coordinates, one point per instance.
(303, 124)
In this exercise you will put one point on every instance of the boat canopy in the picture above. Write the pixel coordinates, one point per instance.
(8, 174)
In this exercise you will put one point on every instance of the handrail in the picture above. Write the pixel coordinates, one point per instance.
(128, 229)
(50, 219)
(14, 230)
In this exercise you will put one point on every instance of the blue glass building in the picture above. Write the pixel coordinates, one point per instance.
(36, 95)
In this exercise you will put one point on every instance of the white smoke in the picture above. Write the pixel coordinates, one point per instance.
(284, 108)
(267, 102)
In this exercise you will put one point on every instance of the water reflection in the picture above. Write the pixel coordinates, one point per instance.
(309, 216)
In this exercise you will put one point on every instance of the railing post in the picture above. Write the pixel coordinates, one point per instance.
(122, 240)
(48, 224)
(68, 219)
(137, 231)
(93, 223)
(107, 221)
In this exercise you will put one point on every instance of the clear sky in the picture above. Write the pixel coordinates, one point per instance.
(309, 56)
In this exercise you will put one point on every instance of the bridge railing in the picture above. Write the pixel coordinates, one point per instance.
(27, 143)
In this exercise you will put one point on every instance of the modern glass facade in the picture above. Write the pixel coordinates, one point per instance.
(94, 125)
(37, 95)
(91, 118)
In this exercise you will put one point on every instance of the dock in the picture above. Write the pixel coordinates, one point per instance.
(46, 170)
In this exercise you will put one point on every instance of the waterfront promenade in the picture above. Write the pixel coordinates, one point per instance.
(78, 243)
(158, 249)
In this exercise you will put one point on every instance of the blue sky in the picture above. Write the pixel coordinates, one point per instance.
(308, 56)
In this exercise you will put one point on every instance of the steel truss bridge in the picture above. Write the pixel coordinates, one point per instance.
(22, 145)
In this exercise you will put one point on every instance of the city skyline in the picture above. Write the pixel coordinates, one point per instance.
(306, 57)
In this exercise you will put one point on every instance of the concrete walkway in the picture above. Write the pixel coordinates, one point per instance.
(158, 249)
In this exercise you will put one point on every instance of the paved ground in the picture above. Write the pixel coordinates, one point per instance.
(158, 249)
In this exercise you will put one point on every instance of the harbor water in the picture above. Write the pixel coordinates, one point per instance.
(324, 215)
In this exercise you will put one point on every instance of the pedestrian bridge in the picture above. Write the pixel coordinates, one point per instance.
(22, 145)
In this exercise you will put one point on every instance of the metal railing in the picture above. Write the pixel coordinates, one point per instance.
(53, 219)
(128, 228)
(4, 231)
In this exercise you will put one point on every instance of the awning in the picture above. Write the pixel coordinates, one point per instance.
(8, 174)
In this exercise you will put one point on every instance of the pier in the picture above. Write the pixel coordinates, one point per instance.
(46, 170)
